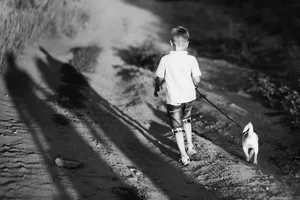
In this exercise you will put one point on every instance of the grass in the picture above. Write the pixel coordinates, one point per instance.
(22, 21)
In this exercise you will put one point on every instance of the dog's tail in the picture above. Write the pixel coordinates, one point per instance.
(248, 128)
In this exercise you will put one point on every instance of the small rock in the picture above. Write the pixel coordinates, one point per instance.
(67, 163)
(133, 179)
(267, 188)
(135, 171)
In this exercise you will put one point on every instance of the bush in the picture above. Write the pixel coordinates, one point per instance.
(31, 19)
(280, 96)
(146, 55)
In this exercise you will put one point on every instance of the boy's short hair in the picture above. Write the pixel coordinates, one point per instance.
(180, 31)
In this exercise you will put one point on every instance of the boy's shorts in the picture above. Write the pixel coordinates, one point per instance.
(179, 115)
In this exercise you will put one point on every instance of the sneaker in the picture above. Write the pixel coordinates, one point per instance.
(191, 151)
(185, 160)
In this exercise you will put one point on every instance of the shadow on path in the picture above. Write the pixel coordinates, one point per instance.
(51, 139)
(122, 131)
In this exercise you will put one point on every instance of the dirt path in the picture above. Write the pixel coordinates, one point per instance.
(114, 125)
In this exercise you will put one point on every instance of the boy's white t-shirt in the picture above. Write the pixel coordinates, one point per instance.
(178, 68)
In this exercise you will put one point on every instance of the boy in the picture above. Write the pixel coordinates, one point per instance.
(181, 74)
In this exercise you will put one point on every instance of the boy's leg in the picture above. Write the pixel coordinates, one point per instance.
(188, 132)
(174, 113)
(180, 141)
(187, 125)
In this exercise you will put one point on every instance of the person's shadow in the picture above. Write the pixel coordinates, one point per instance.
(52, 140)
(118, 127)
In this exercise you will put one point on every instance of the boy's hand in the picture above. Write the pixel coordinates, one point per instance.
(158, 84)
(196, 81)
(156, 92)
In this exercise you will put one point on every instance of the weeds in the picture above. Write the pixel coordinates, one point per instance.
(281, 97)
(146, 55)
(22, 21)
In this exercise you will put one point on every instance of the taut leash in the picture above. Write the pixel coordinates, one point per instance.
(218, 109)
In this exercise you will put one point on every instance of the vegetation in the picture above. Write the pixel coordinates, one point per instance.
(278, 88)
(279, 96)
(270, 45)
(261, 35)
(22, 21)
(85, 58)
(145, 55)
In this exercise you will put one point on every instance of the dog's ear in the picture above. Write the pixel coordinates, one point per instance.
(246, 131)
(248, 128)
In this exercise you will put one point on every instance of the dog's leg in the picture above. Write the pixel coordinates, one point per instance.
(255, 155)
(245, 149)
(251, 154)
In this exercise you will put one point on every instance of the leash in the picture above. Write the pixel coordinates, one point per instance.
(238, 126)
(218, 109)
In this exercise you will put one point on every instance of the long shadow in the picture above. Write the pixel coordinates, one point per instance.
(51, 142)
(121, 130)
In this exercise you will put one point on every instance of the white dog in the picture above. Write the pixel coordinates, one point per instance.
(250, 141)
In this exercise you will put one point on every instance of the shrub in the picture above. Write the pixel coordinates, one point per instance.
(146, 55)
(22, 21)
(281, 97)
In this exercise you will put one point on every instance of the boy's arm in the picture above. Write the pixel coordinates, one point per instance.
(158, 83)
(196, 73)
(196, 81)
(160, 74)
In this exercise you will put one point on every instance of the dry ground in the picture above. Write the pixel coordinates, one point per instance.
(111, 122)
